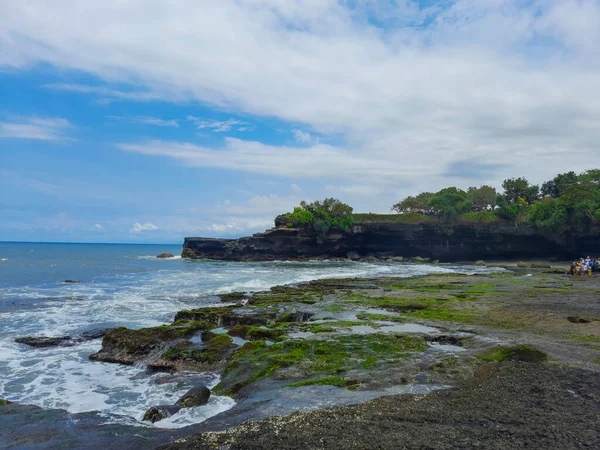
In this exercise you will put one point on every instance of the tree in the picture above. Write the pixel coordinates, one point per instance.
(320, 216)
(519, 188)
(410, 203)
(447, 205)
(484, 196)
(556, 187)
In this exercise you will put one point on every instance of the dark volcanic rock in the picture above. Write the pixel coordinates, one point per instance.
(71, 281)
(225, 317)
(390, 240)
(509, 406)
(579, 319)
(196, 396)
(54, 341)
(160, 412)
(165, 255)
(125, 346)
(43, 341)
(94, 334)
(232, 297)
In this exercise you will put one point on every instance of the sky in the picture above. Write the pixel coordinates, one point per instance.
(148, 121)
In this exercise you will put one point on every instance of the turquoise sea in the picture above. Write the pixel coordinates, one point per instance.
(125, 285)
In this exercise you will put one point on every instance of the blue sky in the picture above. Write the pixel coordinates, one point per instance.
(148, 121)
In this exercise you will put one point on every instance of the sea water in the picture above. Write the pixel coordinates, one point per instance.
(126, 285)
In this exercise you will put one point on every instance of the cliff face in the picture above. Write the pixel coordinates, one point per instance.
(396, 239)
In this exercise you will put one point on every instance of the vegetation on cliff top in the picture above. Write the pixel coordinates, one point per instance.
(320, 216)
(569, 203)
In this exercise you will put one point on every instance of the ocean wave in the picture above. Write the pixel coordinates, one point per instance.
(154, 258)
(3, 259)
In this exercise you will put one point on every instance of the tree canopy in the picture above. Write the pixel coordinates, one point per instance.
(568, 203)
(320, 216)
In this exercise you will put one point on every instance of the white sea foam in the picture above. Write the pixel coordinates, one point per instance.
(154, 258)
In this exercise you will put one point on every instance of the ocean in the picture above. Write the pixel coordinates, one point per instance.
(126, 285)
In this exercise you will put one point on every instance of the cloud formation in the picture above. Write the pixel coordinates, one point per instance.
(302, 137)
(138, 227)
(36, 128)
(412, 94)
(146, 120)
(220, 126)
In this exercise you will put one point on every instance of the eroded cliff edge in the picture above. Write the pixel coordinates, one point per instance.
(384, 240)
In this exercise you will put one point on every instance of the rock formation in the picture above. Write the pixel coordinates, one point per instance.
(390, 240)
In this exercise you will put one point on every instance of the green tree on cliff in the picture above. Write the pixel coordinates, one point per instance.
(484, 197)
(409, 204)
(516, 188)
(320, 216)
(556, 187)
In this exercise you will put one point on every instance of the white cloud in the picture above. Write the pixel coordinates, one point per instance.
(110, 95)
(138, 227)
(36, 128)
(302, 136)
(146, 120)
(500, 82)
(296, 189)
(98, 227)
(220, 126)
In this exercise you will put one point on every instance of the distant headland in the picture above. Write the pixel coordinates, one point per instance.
(559, 220)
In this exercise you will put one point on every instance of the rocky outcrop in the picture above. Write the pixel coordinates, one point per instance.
(165, 255)
(55, 341)
(160, 412)
(389, 240)
(196, 396)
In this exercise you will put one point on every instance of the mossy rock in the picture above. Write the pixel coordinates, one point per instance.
(127, 346)
(541, 265)
(224, 316)
(5, 402)
(579, 319)
(211, 315)
(256, 360)
(524, 265)
(522, 353)
(419, 260)
(329, 381)
(216, 350)
(232, 297)
(480, 263)
(255, 333)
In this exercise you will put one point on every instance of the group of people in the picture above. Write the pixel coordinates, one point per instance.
(585, 265)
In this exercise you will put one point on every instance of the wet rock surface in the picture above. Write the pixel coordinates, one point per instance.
(33, 341)
(54, 341)
(165, 255)
(196, 396)
(160, 412)
(507, 405)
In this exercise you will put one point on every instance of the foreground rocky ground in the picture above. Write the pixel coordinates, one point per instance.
(521, 348)
(511, 405)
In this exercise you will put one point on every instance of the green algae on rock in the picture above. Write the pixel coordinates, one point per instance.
(311, 357)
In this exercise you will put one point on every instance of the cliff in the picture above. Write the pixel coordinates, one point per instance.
(389, 239)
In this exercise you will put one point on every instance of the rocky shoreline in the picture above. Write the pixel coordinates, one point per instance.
(349, 341)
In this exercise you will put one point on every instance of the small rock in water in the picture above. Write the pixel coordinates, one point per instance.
(71, 281)
(196, 396)
(94, 334)
(160, 412)
(165, 255)
(43, 341)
